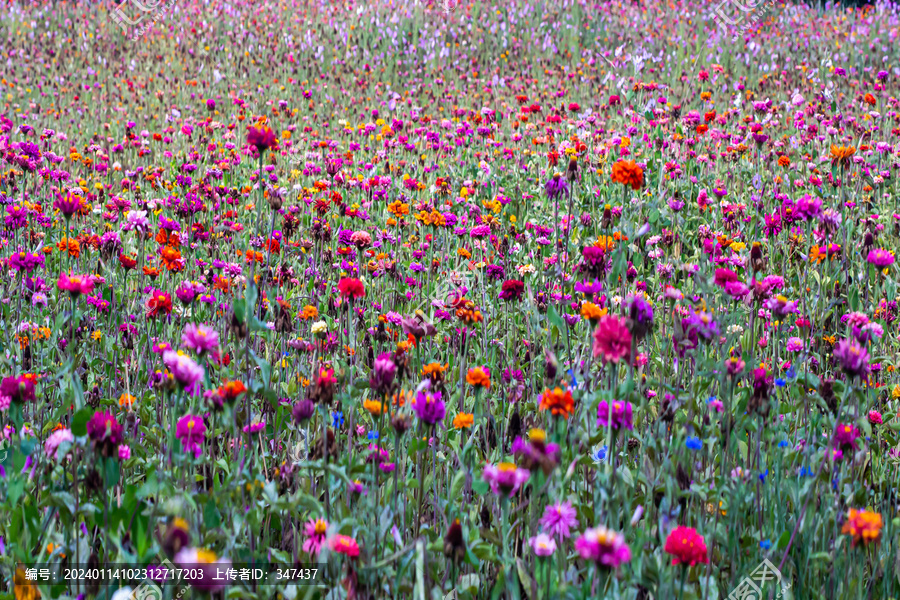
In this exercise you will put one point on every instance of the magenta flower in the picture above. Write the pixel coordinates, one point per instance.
(429, 407)
(75, 285)
(621, 415)
(200, 338)
(191, 430)
(845, 436)
(603, 546)
(186, 372)
(559, 519)
(505, 478)
(880, 258)
(612, 340)
(105, 432)
(853, 358)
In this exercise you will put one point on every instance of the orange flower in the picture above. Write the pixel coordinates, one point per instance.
(435, 371)
(373, 407)
(558, 402)
(478, 377)
(869, 99)
(841, 154)
(126, 400)
(171, 258)
(592, 312)
(309, 312)
(71, 245)
(627, 172)
(784, 161)
(463, 420)
(864, 526)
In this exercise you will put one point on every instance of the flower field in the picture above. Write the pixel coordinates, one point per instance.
(530, 300)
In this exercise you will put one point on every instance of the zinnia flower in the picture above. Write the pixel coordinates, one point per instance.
(864, 526)
(627, 172)
(200, 338)
(191, 431)
(315, 531)
(542, 544)
(559, 518)
(344, 544)
(604, 547)
(505, 478)
(261, 137)
(558, 402)
(612, 340)
(351, 288)
(621, 415)
(686, 546)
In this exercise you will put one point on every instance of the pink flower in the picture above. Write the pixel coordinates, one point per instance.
(505, 478)
(124, 452)
(603, 546)
(875, 417)
(315, 531)
(542, 545)
(76, 285)
(559, 518)
(200, 338)
(191, 430)
(612, 340)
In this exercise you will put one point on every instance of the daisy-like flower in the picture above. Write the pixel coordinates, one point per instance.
(559, 519)
(315, 531)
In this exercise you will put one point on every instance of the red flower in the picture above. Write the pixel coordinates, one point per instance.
(351, 288)
(687, 547)
(127, 262)
(159, 302)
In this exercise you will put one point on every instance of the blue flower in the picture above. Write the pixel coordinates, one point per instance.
(574, 381)
(599, 455)
(765, 544)
(693, 443)
(338, 419)
(804, 472)
(762, 476)
(780, 382)
(783, 444)
(791, 373)
(373, 435)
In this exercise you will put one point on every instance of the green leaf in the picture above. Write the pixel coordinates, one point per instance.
(111, 472)
(79, 421)
(211, 517)
(456, 486)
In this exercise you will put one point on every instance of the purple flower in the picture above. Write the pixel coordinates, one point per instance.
(556, 186)
(853, 358)
(429, 407)
(621, 415)
(381, 379)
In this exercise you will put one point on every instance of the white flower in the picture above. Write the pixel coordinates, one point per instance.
(320, 327)
(735, 329)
